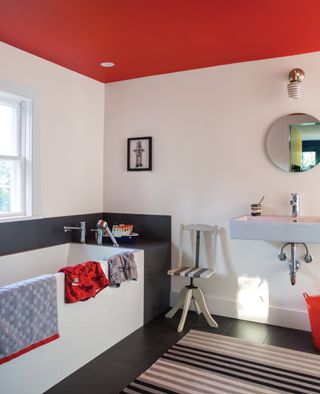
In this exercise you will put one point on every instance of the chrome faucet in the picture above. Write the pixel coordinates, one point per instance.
(82, 230)
(295, 203)
(99, 234)
(115, 243)
(103, 225)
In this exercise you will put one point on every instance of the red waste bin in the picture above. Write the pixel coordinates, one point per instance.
(313, 303)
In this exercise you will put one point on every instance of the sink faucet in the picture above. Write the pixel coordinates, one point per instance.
(82, 230)
(295, 203)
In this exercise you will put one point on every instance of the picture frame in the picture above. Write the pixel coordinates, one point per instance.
(139, 154)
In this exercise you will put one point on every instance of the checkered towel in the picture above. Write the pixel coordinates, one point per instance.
(28, 316)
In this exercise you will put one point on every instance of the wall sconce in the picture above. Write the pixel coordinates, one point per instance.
(295, 86)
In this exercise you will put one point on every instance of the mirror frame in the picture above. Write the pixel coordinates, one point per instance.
(277, 140)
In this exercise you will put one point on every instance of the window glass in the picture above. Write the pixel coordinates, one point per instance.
(10, 187)
(9, 127)
(15, 156)
(308, 160)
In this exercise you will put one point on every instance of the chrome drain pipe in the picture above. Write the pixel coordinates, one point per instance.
(294, 264)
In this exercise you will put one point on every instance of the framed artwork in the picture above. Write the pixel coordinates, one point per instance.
(139, 154)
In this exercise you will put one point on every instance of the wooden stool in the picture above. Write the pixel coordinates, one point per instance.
(191, 292)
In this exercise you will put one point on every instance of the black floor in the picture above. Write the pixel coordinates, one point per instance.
(118, 366)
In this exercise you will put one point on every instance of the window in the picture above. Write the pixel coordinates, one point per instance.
(15, 155)
(309, 160)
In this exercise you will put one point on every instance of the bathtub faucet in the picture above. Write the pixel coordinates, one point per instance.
(103, 225)
(82, 230)
(99, 235)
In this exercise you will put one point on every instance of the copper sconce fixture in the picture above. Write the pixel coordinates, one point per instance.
(296, 77)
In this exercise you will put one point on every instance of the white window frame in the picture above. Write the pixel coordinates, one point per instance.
(24, 155)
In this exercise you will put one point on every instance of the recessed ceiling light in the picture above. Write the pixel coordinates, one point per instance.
(107, 64)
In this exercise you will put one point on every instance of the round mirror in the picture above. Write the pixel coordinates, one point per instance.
(293, 142)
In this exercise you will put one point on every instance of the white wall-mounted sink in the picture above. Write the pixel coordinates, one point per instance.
(276, 228)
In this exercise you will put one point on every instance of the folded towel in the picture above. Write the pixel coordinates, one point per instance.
(28, 316)
(116, 274)
(83, 281)
(129, 266)
(122, 267)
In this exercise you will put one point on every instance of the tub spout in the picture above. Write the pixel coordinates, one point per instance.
(82, 230)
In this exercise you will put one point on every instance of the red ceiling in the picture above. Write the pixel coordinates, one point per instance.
(148, 37)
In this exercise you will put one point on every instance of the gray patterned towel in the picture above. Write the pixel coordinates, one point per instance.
(122, 267)
(28, 316)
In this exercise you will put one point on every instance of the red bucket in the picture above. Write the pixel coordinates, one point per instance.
(313, 303)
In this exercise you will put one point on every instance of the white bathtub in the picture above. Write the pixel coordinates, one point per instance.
(86, 328)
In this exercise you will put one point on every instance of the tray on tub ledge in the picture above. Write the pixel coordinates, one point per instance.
(122, 239)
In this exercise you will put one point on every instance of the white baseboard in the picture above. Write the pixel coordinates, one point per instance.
(276, 316)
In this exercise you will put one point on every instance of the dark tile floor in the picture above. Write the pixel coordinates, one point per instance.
(118, 366)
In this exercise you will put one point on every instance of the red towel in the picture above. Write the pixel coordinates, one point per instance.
(83, 281)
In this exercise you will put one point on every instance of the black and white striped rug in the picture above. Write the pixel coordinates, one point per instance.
(202, 362)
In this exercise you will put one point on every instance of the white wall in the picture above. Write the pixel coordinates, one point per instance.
(209, 130)
(210, 164)
(68, 132)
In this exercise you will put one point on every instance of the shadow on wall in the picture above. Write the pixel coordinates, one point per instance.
(229, 279)
(248, 297)
(251, 294)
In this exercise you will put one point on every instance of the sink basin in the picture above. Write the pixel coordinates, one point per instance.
(276, 228)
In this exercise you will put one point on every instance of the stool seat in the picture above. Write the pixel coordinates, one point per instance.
(191, 272)
(193, 293)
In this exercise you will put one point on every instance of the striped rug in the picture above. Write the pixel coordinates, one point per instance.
(202, 362)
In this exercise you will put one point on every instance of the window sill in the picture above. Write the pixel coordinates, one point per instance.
(18, 218)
